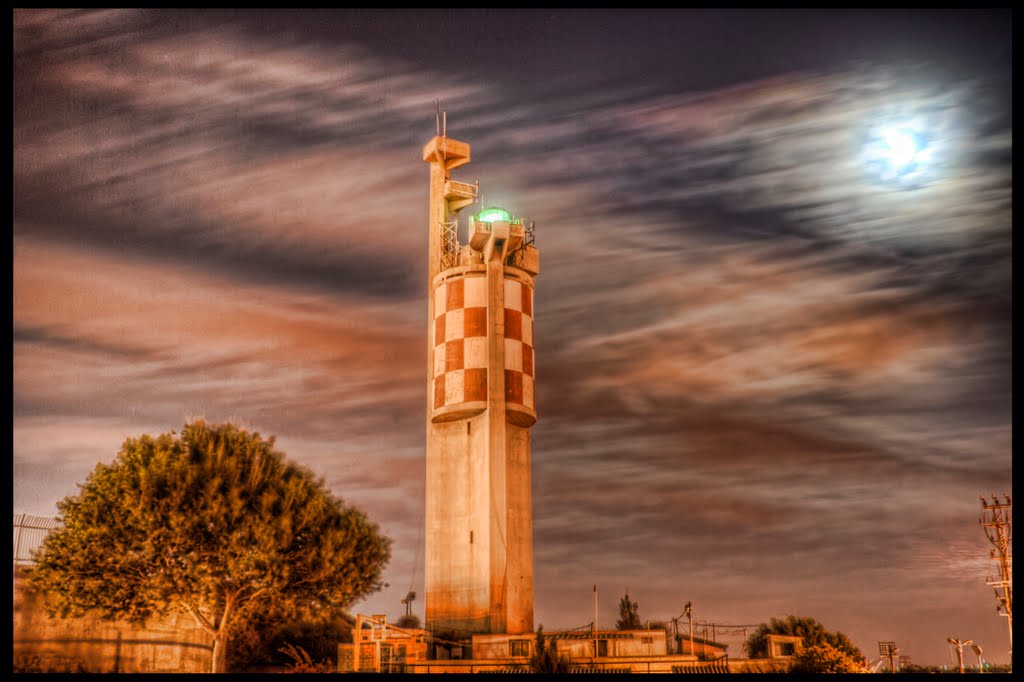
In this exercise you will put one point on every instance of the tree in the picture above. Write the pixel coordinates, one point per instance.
(545, 659)
(825, 658)
(214, 523)
(262, 640)
(812, 632)
(409, 620)
(629, 618)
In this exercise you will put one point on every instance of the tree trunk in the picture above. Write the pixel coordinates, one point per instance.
(220, 653)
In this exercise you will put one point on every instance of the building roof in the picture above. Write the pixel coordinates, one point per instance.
(585, 634)
(701, 640)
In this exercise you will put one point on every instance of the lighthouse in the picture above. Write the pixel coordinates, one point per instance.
(481, 404)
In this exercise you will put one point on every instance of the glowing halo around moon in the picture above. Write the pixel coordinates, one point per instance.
(903, 151)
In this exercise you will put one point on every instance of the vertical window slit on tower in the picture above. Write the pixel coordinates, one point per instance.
(471, 537)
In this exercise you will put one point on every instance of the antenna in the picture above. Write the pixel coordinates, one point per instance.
(444, 134)
(437, 114)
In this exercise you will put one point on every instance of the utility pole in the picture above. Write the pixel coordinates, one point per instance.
(996, 521)
(960, 644)
(688, 610)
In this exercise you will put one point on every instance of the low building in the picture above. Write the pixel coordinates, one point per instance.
(381, 647)
(576, 645)
(784, 646)
(378, 646)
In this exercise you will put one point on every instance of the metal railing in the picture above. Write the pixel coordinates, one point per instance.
(516, 258)
(29, 534)
(450, 243)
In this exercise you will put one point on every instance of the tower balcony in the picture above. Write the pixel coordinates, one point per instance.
(459, 194)
(444, 149)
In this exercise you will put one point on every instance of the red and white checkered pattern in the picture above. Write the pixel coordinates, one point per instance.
(460, 342)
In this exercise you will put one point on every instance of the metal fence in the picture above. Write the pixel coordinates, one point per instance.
(29, 534)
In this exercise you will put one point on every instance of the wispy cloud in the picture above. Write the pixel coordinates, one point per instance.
(761, 370)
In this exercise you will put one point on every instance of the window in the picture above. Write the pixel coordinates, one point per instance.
(787, 649)
(647, 640)
(602, 647)
(519, 647)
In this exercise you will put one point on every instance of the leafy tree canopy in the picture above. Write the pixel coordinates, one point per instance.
(825, 658)
(411, 621)
(629, 616)
(214, 523)
(812, 632)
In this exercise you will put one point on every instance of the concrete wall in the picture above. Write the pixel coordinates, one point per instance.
(517, 582)
(638, 664)
(88, 644)
(498, 647)
(640, 644)
(784, 646)
(635, 664)
(458, 532)
(620, 644)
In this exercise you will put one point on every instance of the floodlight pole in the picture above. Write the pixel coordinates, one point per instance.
(960, 644)
(888, 650)
(981, 661)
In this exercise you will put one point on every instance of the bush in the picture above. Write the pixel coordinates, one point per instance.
(410, 621)
(825, 658)
(260, 643)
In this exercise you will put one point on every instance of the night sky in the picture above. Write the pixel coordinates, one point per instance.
(771, 377)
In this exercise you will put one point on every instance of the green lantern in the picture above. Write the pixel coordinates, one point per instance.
(492, 215)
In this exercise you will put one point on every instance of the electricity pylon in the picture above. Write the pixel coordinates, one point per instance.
(996, 521)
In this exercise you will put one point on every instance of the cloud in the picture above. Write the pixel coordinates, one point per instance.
(761, 371)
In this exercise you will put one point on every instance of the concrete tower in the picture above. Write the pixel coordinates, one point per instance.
(480, 407)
